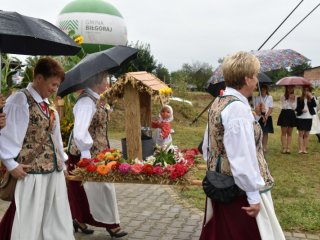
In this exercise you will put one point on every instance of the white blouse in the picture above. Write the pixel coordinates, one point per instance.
(287, 104)
(17, 121)
(266, 100)
(83, 112)
(239, 142)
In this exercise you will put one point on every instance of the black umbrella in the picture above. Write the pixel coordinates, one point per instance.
(108, 60)
(214, 88)
(21, 34)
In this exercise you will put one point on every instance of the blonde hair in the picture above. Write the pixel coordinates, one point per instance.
(236, 67)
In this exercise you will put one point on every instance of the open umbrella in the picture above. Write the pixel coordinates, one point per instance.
(293, 81)
(21, 34)
(279, 58)
(269, 60)
(108, 60)
(215, 85)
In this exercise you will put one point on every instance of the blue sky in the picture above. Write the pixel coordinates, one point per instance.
(185, 31)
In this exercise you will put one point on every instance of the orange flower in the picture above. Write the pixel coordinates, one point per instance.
(103, 169)
(112, 165)
(100, 156)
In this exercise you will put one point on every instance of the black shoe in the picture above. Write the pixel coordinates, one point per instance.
(84, 230)
(117, 233)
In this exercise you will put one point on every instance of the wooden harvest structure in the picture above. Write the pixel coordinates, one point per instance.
(137, 89)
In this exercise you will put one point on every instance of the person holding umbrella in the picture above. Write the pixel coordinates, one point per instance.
(2, 115)
(236, 145)
(91, 203)
(305, 110)
(265, 103)
(32, 151)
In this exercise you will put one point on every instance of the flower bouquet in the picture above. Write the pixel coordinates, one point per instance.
(168, 165)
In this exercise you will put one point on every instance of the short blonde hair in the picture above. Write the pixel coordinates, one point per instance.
(237, 66)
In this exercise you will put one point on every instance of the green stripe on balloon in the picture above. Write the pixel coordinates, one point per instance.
(91, 6)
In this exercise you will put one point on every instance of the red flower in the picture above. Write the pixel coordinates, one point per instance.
(95, 160)
(106, 150)
(169, 168)
(91, 167)
(157, 170)
(147, 169)
(136, 168)
(116, 166)
(84, 162)
(178, 171)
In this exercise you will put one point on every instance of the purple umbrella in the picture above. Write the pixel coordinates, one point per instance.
(293, 81)
(279, 58)
(269, 60)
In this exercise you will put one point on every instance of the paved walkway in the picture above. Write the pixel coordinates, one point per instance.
(155, 212)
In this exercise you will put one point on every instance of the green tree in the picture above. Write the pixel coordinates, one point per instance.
(162, 73)
(144, 62)
(198, 74)
(299, 70)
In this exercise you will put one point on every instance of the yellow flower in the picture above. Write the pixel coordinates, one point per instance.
(78, 39)
(165, 91)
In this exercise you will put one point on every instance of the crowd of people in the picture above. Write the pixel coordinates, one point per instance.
(296, 111)
(32, 151)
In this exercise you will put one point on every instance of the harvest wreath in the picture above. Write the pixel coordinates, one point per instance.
(168, 165)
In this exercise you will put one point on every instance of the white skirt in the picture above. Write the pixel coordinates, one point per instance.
(42, 208)
(315, 128)
(267, 221)
(102, 202)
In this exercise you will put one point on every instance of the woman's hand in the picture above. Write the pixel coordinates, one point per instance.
(253, 210)
(66, 174)
(292, 97)
(19, 171)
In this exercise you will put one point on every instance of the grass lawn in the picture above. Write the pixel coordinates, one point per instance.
(296, 193)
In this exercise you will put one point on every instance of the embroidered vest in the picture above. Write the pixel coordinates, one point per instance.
(97, 130)
(217, 149)
(38, 149)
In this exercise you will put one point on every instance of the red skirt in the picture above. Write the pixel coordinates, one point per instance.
(7, 222)
(79, 204)
(230, 222)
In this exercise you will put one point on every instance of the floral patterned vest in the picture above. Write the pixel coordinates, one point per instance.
(217, 149)
(38, 149)
(97, 130)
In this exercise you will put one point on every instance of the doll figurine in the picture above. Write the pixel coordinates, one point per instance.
(163, 126)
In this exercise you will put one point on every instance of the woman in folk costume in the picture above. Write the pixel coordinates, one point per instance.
(93, 203)
(2, 115)
(31, 149)
(236, 145)
(163, 126)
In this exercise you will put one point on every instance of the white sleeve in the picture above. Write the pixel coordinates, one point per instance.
(57, 139)
(240, 147)
(13, 134)
(83, 113)
(270, 101)
(205, 144)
